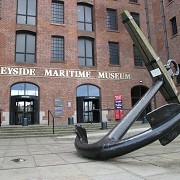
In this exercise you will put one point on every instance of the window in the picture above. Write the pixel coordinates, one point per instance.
(136, 18)
(57, 48)
(26, 12)
(137, 57)
(24, 89)
(113, 53)
(112, 19)
(173, 26)
(57, 12)
(87, 90)
(85, 18)
(85, 52)
(25, 47)
(134, 1)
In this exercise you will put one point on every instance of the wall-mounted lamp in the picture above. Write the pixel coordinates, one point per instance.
(140, 81)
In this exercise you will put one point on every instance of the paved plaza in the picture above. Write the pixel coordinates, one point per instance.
(54, 158)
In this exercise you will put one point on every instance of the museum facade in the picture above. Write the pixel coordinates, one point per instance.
(74, 58)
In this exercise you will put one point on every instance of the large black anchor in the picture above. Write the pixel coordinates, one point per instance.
(164, 121)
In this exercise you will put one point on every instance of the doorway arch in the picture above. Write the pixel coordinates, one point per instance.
(24, 103)
(87, 99)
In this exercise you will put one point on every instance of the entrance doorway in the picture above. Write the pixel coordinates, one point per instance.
(85, 110)
(24, 108)
(24, 104)
(87, 100)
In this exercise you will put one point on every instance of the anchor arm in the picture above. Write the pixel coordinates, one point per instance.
(164, 126)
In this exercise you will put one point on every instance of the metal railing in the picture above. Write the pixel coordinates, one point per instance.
(49, 113)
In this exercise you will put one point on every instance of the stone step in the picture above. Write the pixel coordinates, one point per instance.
(40, 130)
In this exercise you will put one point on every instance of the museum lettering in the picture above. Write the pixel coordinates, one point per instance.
(62, 73)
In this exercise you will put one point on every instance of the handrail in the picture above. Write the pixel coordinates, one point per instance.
(49, 113)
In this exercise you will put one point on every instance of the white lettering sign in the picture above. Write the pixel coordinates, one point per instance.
(62, 73)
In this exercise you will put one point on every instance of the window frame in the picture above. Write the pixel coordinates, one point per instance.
(85, 57)
(112, 19)
(138, 62)
(60, 6)
(114, 58)
(136, 17)
(25, 53)
(174, 29)
(84, 22)
(59, 48)
(26, 15)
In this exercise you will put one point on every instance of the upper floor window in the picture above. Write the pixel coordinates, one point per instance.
(57, 48)
(112, 19)
(57, 12)
(85, 19)
(26, 12)
(136, 18)
(85, 52)
(174, 26)
(134, 1)
(25, 47)
(113, 53)
(137, 57)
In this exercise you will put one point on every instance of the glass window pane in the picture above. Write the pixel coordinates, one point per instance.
(88, 14)
(17, 89)
(21, 7)
(81, 13)
(30, 44)
(20, 43)
(81, 61)
(89, 62)
(93, 90)
(88, 48)
(81, 48)
(82, 91)
(81, 26)
(32, 7)
(21, 19)
(88, 27)
(31, 20)
(20, 58)
(30, 58)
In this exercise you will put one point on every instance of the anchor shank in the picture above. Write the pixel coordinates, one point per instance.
(121, 128)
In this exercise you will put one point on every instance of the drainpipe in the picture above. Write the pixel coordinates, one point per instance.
(147, 21)
(165, 30)
(149, 37)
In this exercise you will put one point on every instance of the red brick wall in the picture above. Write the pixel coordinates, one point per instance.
(65, 88)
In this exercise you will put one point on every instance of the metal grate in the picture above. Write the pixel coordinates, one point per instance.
(58, 12)
(112, 19)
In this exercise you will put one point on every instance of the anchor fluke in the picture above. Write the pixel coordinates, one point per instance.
(165, 113)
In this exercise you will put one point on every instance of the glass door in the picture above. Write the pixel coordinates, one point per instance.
(24, 109)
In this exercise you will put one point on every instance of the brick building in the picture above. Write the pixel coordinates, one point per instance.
(72, 56)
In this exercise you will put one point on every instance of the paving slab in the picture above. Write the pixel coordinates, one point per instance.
(54, 158)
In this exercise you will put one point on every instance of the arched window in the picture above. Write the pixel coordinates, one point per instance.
(87, 90)
(85, 18)
(86, 51)
(24, 89)
(25, 47)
